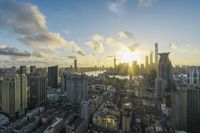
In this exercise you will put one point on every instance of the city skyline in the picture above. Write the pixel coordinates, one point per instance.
(45, 32)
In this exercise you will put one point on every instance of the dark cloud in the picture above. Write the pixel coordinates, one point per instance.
(132, 47)
(12, 51)
(81, 53)
(110, 56)
(72, 56)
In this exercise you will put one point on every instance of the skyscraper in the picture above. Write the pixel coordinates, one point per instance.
(185, 108)
(86, 111)
(75, 65)
(23, 93)
(179, 108)
(134, 68)
(114, 63)
(1, 86)
(193, 75)
(22, 70)
(156, 53)
(146, 62)
(14, 95)
(33, 69)
(53, 76)
(193, 112)
(38, 88)
(151, 59)
(165, 70)
(75, 86)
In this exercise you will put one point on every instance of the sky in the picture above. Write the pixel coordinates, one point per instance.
(51, 32)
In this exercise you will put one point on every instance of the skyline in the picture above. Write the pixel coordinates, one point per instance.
(45, 32)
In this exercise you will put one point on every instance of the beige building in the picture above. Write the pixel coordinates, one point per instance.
(11, 96)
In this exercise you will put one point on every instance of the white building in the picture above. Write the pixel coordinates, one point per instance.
(194, 74)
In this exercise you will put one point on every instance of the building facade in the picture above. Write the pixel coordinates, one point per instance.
(14, 95)
(193, 75)
(53, 74)
(38, 88)
(186, 108)
(75, 86)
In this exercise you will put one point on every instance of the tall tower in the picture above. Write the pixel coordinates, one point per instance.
(75, 65)
(156, 53)
(146, 62)
(151, 58)
(22, 70)
(114, 63)
(11, 95)
(38, 88)
(23, 93)
(53, 73)
(164, 71)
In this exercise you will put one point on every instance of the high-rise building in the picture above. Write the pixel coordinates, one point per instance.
(75, 65)
(193, 75)
(126, 117)
(185, 108)
(151, 59)
(23, 93)
(38, 88)
(11, 96)
(33, 69)
(156, 53)
(164, 70)
(86, 111)
(1, 86)
(75, 87)
(14, 95)
(134, 68)
(114, 63)
(193, 112)
(146, 62)
(160, 88)
(179, 108)
(53, 74)
(22, 70)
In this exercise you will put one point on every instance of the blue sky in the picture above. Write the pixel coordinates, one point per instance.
(174, 24)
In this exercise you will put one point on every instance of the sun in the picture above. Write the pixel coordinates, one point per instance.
(129, 57)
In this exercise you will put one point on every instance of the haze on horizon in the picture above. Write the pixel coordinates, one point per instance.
(35, 32)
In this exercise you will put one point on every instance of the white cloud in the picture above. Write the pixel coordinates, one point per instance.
(96, 43)
(146, 2)
(29, 26)
(99, 42)
(125, 35)
(116, 6)
(173, 46)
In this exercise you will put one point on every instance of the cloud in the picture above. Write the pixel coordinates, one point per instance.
(12, 51)
(125, 35)
(72, 56)
(184, 49)
(96, 43)
(116, 6)
(29, 26)
(146, 3)
(133, 47)
(67, 32)
(173, 46)
(99, 42)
